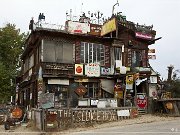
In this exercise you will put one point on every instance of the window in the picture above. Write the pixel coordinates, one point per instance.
(117, 53)
(92, 89)
(137, 58)
(92, 53)
(57, 51)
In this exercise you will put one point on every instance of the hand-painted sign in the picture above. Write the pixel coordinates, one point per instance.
(92, 70)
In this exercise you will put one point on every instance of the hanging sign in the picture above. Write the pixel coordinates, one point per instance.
(151, 51)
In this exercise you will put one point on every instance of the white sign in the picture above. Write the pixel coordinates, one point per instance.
(152, 90)
(153, 79)
(58, 81)
(92, 70)
(77, 27)
(123, 113)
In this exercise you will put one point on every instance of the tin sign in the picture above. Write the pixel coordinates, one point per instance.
(92, 70)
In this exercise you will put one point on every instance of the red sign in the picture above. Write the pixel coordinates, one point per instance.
(141, 102)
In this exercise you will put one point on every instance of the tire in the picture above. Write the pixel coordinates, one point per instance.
(6, 126)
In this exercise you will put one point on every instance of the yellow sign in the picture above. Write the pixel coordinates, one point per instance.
(129, 79)
(118, 94)
(108, 27)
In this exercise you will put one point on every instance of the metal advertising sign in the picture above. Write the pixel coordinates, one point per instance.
(129, 81)
(79, 69)
(81, 90)
(92, 70)
(152, 57)
(141, 100)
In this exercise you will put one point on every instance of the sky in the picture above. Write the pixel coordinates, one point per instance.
(163, 14)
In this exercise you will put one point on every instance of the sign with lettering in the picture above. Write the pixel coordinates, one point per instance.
(141, 100)
(92, 70)
(77, 27)
(81, 90)
(79, 69)
(143, 35)
(108, 27)
(95, 29)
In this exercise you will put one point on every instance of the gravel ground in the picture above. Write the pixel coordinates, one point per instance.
(28, 129)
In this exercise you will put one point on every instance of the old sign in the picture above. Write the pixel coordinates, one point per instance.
(143, 35)
(81, 90)
(108, 27)
(46, 100)
(151, 51)
(79, 69)
(95, 29)
(77, 27)
(141, 100)
(92, 70)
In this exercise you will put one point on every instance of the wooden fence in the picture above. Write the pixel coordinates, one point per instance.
(60, 119)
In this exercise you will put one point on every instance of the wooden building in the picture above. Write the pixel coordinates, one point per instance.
(85, 61)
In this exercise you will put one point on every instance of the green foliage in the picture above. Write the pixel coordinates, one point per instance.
(174, 85)
(11, 47)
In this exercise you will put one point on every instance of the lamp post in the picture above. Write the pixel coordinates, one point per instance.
(98, 15)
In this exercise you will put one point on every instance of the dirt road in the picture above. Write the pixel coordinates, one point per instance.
(29, 129)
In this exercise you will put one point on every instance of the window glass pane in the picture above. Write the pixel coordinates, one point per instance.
(82, 52)
(86, 52)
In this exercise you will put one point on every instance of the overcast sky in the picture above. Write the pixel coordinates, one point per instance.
(163, 14)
